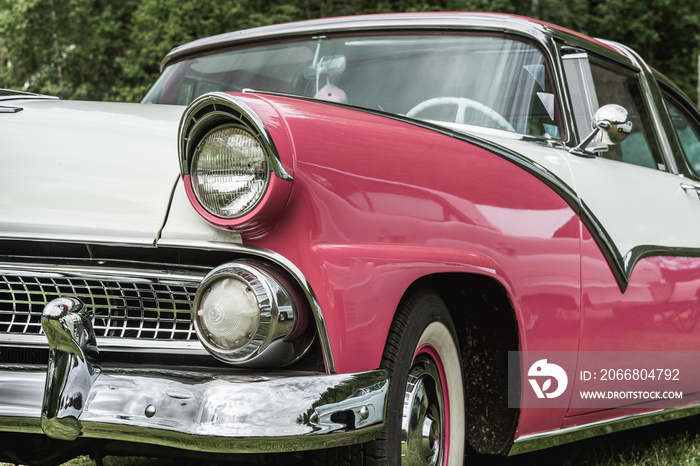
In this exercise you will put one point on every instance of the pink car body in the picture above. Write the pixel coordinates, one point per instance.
(469, 242)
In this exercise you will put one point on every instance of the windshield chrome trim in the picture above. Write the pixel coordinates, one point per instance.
(369, 23)
(486, 22)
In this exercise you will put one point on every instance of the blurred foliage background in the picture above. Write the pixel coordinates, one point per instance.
(112, 49)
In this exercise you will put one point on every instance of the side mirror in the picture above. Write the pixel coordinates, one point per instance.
(612, 122)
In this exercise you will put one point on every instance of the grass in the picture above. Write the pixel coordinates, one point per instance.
(668, 444)
(671, 443)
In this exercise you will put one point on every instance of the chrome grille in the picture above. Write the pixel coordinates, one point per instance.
(134, 305)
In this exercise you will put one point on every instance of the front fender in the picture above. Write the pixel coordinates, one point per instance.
(378, 203)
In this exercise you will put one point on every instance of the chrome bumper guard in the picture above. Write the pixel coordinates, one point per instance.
(213, 412)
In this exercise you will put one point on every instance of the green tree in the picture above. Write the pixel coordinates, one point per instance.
(666, 33)
(663, 32)
(63, 47)
(157, 26)
(112, 49)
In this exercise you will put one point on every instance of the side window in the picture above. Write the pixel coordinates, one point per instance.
(616, 85)
(687, 130)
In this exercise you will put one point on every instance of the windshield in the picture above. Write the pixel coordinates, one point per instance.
(471, 80)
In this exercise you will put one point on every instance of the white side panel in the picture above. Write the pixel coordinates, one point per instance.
(80, 170)
(638, 206)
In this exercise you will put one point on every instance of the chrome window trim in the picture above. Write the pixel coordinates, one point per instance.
(649, 88)
(670, 93)
(561, 41)
(542, 440)
(575, 67)
(379, 22)
(652, 97)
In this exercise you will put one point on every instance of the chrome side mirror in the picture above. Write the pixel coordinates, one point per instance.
(613, 119)
(612, 123)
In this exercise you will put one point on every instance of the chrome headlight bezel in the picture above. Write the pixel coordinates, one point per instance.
(212, 112)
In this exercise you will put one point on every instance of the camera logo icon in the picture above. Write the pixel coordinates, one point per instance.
(544, 371)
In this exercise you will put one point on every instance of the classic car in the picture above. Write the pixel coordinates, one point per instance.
(376, 238)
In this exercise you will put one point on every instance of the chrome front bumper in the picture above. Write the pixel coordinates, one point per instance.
(211, 412)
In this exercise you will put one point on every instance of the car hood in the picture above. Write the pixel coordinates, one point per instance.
(87, 171)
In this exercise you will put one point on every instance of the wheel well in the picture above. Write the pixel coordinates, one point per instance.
(487, 330)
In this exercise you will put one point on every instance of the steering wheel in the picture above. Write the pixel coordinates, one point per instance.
(462, 105)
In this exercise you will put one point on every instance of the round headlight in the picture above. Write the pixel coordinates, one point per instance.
(230, 171)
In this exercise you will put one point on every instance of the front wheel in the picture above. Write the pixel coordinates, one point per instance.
(425, 415)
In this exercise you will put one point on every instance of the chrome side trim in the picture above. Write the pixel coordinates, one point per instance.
(287, 266)
(203, 411)
(10, 94)
(528, 443)
(5, 109)
(77, 238)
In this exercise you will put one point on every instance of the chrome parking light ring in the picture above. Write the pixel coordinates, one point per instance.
(224, 304)
(310, 301)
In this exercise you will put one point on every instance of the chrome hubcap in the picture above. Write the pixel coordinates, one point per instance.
(422, 439)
